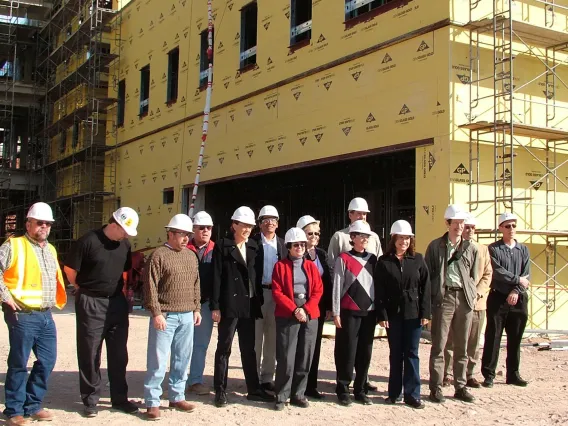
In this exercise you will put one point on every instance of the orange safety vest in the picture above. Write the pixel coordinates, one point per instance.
(23, 276)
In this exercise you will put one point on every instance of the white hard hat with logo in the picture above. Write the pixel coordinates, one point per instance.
(358, 204)
(305, 221)
(295, 235)
(401, 227)
(269, 211)
(127, 218)
(181, 222)
(244, 214)
(455, 211)
(504, 217)
(360, 227)
(202, 219)
(41, 211)
(470, 220)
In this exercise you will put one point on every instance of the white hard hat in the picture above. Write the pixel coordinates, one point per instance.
(470, 220)
(305, 221)
(244, 214)
(41, 211)
(127, 218)
(454, 211)
(360, 227)
(182, 222)
(504, 217)
(295, 235)
(401, 227)
(358, 204)
(202, 219)
(269, 211)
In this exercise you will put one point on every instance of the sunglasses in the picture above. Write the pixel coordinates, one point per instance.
(468, 228)
(360, 235)
(204, 227)
(181, 233)
(298, 245)
(311, 234)
(510, 225)
(43, 222)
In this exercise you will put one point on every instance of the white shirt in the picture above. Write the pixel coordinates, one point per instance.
(243, 249)
(270, 248)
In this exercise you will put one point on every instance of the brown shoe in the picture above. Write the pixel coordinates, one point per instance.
(199, 389)
(473, 383)
(153, 413)
(17, 421)
(42, 416)
(447, 381)
(183, 406)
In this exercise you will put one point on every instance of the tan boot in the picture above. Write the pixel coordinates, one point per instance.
(42, 416)
(183, 406)
(17, 421)
(153, 413)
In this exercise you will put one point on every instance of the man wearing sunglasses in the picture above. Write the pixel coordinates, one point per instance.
(31, 284)
(507, 303)
(270, 250)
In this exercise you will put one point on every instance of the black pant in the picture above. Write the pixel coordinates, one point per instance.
(314, 368)
(513, 319)
(226, 331)
(353, 348)
(98, 319)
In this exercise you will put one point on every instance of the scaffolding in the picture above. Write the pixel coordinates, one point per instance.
(498, 93)
(78, 57)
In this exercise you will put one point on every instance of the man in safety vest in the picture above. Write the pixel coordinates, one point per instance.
(31, 284)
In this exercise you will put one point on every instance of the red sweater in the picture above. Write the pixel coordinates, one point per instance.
(283, 288)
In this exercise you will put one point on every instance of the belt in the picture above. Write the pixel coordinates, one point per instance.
(267, 286)
(299, 296)
(454, 288)
(30, 310)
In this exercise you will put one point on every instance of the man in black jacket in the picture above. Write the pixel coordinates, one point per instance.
(235, 304)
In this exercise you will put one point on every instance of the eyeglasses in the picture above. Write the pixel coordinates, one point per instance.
(43, 222)
(510, 225)
(204, 227)
(311, 234)
(298, 245)
(270, 220)
(355, 234)
(244, 225)
(181, 233)
(469, 227)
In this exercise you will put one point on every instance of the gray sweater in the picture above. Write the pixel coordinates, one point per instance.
(300, 281)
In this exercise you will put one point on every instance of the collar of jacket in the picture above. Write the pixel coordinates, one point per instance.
(406, 256)
(195, 249)
(462, 246)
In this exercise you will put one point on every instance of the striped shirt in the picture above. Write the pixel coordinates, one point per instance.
(48, 270)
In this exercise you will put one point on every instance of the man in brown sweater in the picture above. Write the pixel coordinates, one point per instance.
(172, 295)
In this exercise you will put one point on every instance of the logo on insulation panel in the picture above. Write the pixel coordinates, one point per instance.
(423, 46)
(461, 170)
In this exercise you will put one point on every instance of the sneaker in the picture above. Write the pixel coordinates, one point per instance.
(314, 393)
(345, 399)
(126, 407)
(464, 395)
(221, 399)
(473, 383)
(414, 403)
(363, 399)
(90, 411)
(517, 381)
(447, 381)
(437, 396)
(279, 406)
(487, 383)
(268, 386)
(199, 389)
(302, 403)
(260, 395)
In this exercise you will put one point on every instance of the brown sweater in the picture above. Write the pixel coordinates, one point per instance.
(171, 281)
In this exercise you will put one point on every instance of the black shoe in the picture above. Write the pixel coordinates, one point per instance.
(487, 383)
(517, 381)
(345, 399)
(473, 383)
(463, 395)
(221, 399)
(260, 395)
(314, 393)
(390, 400)
(414, 403)
(269, 386)
(302, 403)
(363, 399)
(437, 396)
(370, 388)
(90, 411)
(126, 407)
(279, 406)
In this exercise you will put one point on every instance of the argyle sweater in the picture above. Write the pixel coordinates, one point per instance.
(353, 286)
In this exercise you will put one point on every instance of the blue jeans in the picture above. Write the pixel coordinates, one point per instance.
(201, 339)
(404, 337)
(28, 332)
(176, 339)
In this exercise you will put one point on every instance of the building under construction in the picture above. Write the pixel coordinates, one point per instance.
(412, 104)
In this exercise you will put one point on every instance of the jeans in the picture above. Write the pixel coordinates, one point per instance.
(177, 338)
(201, 339)
(34, 331)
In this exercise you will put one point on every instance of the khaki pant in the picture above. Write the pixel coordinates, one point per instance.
(472, 345)
(453, 314)
(265, 340)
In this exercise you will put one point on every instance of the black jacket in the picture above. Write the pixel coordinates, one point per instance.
(325, 301)
(231, 281)
(259, 262)
(402, 289)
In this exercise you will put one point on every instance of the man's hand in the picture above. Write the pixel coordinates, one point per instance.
(384, 324)
(524, 282)
(13, 304)
(337, 321)
(197, 318)
(300, 315)
(424, 321)
(513, 298)
(216, 315)
(159, 322)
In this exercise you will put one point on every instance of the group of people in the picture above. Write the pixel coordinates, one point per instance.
(277, 294)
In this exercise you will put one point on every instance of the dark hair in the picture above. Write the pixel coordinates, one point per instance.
(112, 220)
(391, 248)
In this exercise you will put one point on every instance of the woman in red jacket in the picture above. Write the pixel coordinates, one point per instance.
(296, 289)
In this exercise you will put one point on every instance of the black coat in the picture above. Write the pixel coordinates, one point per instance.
(259, 262)
(402, 290)
(231, 281)
(325, 301)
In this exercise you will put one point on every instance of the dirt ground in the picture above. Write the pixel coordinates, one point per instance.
(544, 402)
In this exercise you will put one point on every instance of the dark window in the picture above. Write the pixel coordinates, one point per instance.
(355, 8)
(63, 141)
(168, 196)
(186, 199)
(144, 90)
(204, 60)
(76, 134)
(249, 15)
(121, 103)
(173, 75)
(301, 21)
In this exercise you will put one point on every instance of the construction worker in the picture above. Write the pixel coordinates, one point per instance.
(507, 303)
(271, 248)
(31, 284)
(203, 247)
(95, 265)
(172, 295)
(353, 307)
(297, 289)
(341, 242)
(484, 280)
(236, 304)
(452, 262)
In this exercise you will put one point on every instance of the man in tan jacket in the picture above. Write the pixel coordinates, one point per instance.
(484, 275)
